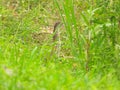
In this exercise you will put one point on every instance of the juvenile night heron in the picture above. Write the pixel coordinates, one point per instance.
(46, 34)
(56, 31)
(49, 36)
(56, 39)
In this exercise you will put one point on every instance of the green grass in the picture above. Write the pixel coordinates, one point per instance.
(89, 49)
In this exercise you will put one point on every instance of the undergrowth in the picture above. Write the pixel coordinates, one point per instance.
(87, 56)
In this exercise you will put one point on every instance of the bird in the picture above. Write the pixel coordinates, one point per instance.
(55, 32)
(56, 39)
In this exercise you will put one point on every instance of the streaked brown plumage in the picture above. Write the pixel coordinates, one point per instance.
(55, 32)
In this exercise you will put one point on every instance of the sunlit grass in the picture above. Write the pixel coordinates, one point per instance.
(89, 45)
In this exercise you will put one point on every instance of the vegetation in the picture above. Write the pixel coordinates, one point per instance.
(84, 54)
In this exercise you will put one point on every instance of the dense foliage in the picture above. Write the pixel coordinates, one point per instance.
(88, 54)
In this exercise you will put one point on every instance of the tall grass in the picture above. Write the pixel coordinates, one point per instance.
(92, 35)
(69, 20)
(93, 46)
